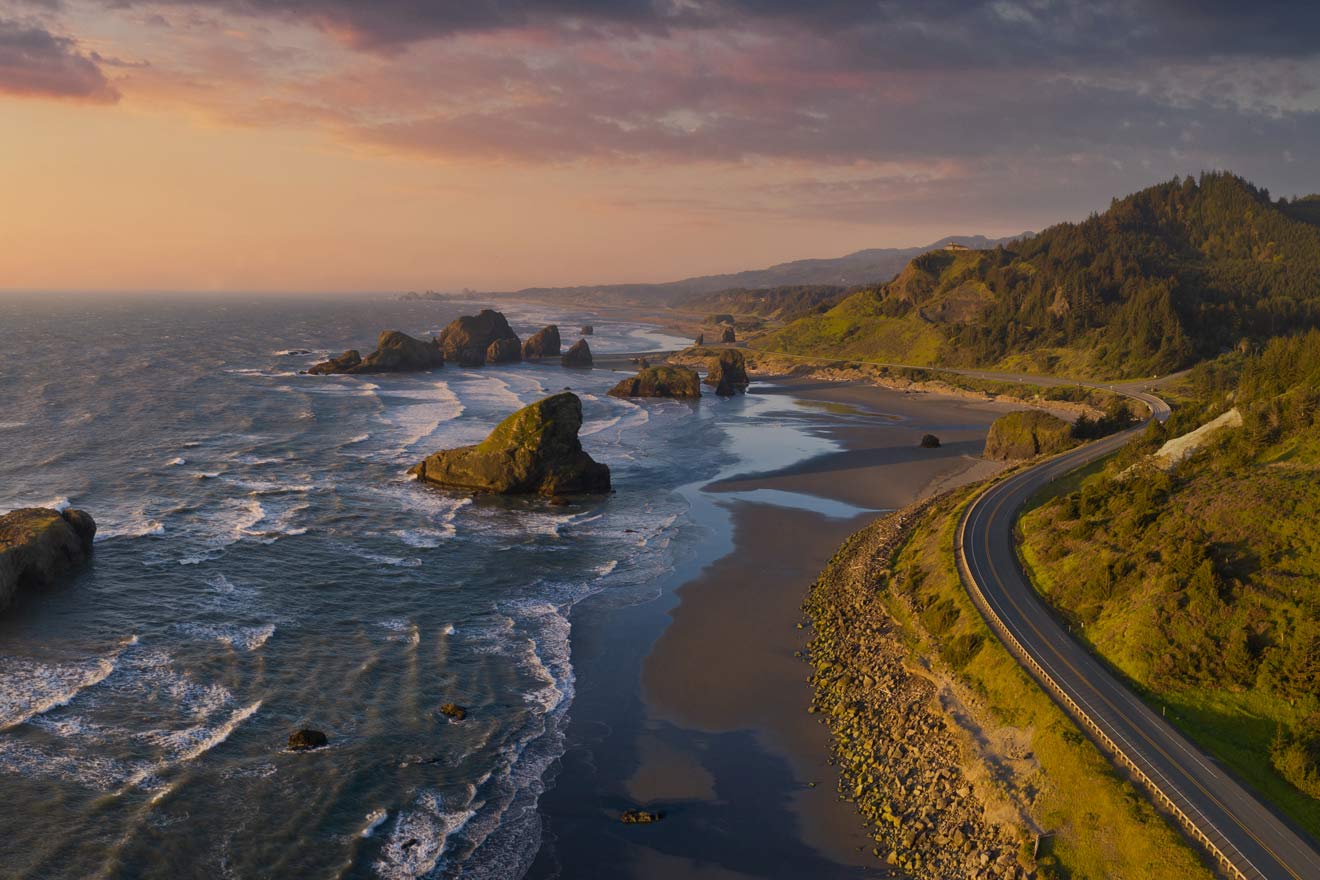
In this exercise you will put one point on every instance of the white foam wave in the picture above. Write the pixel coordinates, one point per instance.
(375, 819)
(176, 461)
(29, 688)
(10, 426)
(247, 638)
(419, 836)
(139, 526)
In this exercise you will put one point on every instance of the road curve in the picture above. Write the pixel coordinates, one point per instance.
(1243, 835)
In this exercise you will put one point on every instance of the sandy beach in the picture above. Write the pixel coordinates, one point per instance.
(694, 702)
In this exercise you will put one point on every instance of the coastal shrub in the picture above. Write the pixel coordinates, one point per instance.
(1296, 755)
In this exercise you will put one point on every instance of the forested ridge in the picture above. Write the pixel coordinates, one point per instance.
(1167, 276)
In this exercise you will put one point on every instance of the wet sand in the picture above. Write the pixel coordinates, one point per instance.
(695, 704)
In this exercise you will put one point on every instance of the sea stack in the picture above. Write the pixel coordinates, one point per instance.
(467, 340)
(728, 335)
(535, 450)
(542, 344)
(729, 373)
(396, 352)
(38, 545)
(587, 330)
(676, 382)
(504, 351)
(578, 355)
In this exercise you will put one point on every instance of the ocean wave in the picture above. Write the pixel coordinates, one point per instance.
(138, 526)
(375, 819)
(247, 638)
(10, 426)
(29, 688)
(412, 423)
(176, 461)
(182, 746)
(419, 836)
(425, 538)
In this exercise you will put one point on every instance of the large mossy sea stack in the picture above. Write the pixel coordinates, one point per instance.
(542, 344)
(504, 351)
(396, 352)
(729, 373)
(467, 340)
(1027, 433)
(578, 355)
(676, 382)
(534, 451)
(38, 544)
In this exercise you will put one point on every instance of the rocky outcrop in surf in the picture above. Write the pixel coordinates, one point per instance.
(542, 344)
(307, 740)
(729, 373)
(396, 352)
(587, 329)
(578, 355)
(728, 336)
(504, 351)
(38, 545)
(676, 382)
(467, 340)
(535, 450)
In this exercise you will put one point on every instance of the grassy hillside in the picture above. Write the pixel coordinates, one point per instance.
(1202, 586)
(1170, 275)
(777, 303)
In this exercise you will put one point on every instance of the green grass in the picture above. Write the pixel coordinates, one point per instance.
(1167, 574)
(1098, 824)
(843, 333)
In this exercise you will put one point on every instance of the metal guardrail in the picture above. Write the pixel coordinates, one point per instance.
(1055, 688)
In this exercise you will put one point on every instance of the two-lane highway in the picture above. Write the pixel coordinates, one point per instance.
(1244, 836)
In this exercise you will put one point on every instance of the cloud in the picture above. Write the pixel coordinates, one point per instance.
(36, 63)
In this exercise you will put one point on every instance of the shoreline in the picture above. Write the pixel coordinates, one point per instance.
(695, 703)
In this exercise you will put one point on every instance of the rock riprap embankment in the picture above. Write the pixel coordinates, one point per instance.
(38, 545)
(728, 373)
(676, 382)
(543, 343)
(536, 450)
(467, 341)
(395, 352)
(898, 759)
(1026, 434)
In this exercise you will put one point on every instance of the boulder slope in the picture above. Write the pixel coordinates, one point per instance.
(534, 451)
(467, 340)
(729, 373)
(678, 382)
(37, 545)
(395, 352)
(1027, 433)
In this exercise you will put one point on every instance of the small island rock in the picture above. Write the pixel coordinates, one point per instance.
(535, 450)
(578, 355)
(306, 740)
(38, 544)
(453, 711)
(587, 330)
(504, 351)
(729, 373)
(543, 343)
(676, 382)
(930, 441)
(395, 352)
(467, 340)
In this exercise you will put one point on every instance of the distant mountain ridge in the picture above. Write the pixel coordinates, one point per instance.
(870, 266)
(1167, 276)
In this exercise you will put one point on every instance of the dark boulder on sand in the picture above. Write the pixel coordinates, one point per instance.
(677, 382)
(395, 352)
(542, 344)
(640, 817)
(305, 740)
(930, 441)
(729, 373)
(467, 340)
(578, 355)
(535, 450)
(504, 351)
(38, 544)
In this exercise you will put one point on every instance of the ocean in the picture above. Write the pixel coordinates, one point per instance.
(263, 563)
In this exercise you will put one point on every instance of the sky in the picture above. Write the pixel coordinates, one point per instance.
(498, 144)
